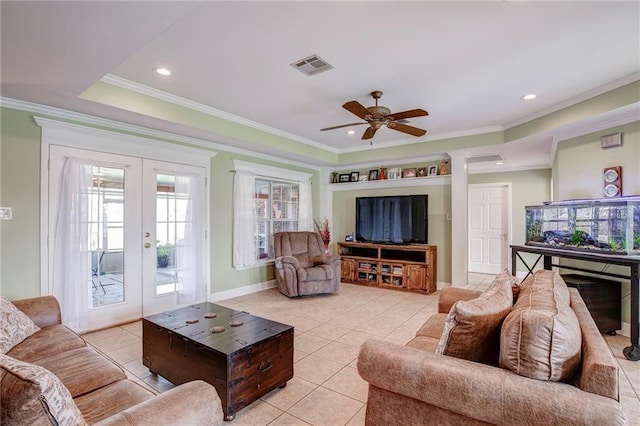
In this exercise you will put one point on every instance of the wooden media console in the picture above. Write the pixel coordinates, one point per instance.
(403, 267)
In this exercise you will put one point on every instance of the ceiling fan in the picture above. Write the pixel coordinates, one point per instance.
(377, 116)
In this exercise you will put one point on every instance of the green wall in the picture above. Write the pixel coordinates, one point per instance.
(577, 173)
(20, 190)
(529, 187)
(20, 238)
(344, 214)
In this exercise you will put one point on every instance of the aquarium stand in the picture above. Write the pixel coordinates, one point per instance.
(632, 262)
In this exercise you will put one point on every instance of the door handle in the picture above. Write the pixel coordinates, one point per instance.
(147, 245)
(147, 234)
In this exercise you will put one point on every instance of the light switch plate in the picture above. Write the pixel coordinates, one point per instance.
(5, 213)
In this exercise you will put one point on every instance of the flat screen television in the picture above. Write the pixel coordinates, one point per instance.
(397, 219)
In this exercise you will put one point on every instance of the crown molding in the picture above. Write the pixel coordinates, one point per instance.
(64, 114)
(431, 138)
(196, 106)
(576, 99)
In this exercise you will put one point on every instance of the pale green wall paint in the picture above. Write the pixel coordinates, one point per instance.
(344, 214)
(132, 101)
(20, 169)
(420, 149)
(611, 100)
(20, 274)
(580, 161)
(530, 187)
(578, 174)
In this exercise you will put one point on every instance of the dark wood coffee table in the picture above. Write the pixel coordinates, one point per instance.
(243, 362)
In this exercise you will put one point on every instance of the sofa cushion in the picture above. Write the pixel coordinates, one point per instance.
(33, 395)
(82, 370)
(15, 326)
(433, 326)
(541, 336)
(472, 327)
(47, 342)
(112, 399)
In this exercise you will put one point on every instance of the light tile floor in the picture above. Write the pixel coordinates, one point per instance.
(326, 388)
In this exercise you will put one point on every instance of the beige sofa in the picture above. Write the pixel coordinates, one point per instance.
(417, 384)
(88, 388)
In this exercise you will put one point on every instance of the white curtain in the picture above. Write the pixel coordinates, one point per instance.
(305, 210)
(71, 257)
(244, 220)
(191, 287)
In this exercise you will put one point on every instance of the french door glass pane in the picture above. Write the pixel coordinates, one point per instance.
(106, 235)
(171, 216)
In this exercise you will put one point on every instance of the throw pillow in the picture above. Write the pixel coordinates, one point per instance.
(34, 393)
(541, 336)
(15, 326)
(472, 327)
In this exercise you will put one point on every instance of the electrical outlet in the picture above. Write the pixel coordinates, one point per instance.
(5, 213)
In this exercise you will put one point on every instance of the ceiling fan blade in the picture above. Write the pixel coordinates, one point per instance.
(406, 129)
(369, 133)
(409, 114)
(342, 125)
(356, 108)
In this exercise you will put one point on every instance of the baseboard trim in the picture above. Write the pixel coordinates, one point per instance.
(441, 284)
(241, 291)
(625, 330)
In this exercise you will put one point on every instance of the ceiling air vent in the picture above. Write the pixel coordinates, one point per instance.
(312, 65)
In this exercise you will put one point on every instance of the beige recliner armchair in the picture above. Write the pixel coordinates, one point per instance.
(302, 267)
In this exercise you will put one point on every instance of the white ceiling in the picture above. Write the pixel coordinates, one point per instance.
(467, 63)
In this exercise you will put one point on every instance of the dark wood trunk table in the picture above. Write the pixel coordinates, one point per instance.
(243, 362)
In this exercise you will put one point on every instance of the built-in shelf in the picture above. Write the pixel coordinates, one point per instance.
(391, 183)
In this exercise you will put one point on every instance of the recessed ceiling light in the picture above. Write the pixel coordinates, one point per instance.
(528, 97)
(162, 71)
(351, 132)
(499, 163)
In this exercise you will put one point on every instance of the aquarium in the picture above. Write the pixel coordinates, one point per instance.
(608, 226)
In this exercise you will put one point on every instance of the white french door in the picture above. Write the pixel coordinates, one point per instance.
(140, 220)
(489, 207)
(173, 234)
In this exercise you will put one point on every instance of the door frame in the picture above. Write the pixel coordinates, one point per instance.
(508, 186)
(70, 135)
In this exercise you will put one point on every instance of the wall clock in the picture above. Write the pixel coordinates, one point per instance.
(612, 181)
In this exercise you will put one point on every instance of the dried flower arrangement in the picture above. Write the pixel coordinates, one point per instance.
(323, 229)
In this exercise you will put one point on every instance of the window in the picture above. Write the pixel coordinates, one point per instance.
(267, 200)
(277, 209)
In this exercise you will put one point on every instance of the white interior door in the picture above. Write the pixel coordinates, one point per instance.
(173, 219)
(489, 207)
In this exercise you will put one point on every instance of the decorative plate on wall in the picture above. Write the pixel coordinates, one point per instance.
(610, 191)
(610, 175)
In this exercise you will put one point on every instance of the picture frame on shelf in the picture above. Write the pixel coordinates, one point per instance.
(433, 171)
(409, 173)
(422, 171)
(395, 173)
(355, 176)
(373, 174)
(346, 177)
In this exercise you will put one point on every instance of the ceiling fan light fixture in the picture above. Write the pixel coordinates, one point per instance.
(351, 132)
